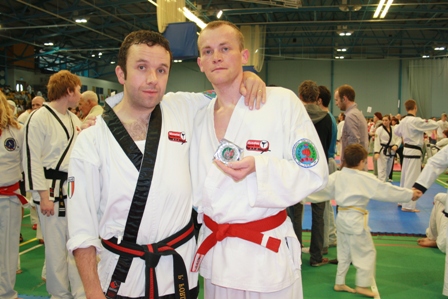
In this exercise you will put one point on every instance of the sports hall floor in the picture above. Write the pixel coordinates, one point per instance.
(404, 270)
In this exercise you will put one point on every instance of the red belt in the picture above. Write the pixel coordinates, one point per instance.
(152, 253)
(10, 191)
(250, 231)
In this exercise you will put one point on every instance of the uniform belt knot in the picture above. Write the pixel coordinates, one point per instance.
(222, 232)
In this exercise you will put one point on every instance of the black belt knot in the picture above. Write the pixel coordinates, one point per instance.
(151, 254)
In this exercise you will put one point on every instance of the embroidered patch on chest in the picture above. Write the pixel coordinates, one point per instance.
(257, 145)
(305, 153)
(177, 137)
(10, 144)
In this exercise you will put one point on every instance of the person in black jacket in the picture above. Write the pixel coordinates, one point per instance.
(308, 94)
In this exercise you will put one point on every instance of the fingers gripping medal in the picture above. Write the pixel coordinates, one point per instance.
(228, 152)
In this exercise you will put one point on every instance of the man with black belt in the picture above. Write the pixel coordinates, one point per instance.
(411, 128)
(130, 183)
(50, 134)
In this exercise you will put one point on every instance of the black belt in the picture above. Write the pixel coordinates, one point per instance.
(413, 147)
(386, 149)
(56, 175)
(151, 253)
(53, 174)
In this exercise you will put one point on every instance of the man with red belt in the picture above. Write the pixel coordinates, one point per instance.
(130, 183)
(266, 160)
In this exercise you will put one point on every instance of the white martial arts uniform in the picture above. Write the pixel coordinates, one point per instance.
(411, 129)
(10, 210)
(442, 126)
(384, 141)
(438, 222)
(433, 168)
(352, 189)
(236, 267)
(46, 139)
(24, 117)
(105, 181)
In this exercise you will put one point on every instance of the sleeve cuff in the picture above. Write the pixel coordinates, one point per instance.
(83, 241)
(419, 187)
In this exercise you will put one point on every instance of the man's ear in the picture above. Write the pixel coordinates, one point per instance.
(245, 55)
(199, 64)
(120, 75)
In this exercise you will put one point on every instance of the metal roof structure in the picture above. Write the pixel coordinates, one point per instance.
(295, 29)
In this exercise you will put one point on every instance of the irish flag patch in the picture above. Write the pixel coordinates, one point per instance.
(71, 186)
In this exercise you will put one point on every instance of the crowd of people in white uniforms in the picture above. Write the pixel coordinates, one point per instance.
(251, 185)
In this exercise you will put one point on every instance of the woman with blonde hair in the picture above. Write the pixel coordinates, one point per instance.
(11, 137)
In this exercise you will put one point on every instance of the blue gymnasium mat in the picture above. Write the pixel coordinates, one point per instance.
(387, 218)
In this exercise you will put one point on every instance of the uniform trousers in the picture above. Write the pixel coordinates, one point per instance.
(330, 237)
(385, 164)
(360, 251)
(317, 228)
(212, 291)
(445, 280)
(63, 280)
(409, 173)
(438, 222)
(10, 222)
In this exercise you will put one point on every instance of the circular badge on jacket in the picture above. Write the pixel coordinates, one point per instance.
(10, 144)
(305, 153)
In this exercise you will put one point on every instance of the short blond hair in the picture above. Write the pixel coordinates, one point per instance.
(90, 95)
(217, 24)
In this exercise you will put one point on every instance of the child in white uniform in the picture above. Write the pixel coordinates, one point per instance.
(352, 188)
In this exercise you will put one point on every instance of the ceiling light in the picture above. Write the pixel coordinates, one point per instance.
(344, 33)
(112, 62)
(380, 7)
(425, 56)
(219, 14)
(81, 20)
(177, 61)
(93, 55)
(153, 3)
(339, 57)
(189, 15)
(99, 54)
(341, 49)
(48, 44)
(439, 48)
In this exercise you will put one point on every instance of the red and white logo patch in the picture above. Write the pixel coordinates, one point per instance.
(257, 145)
(177, 137)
